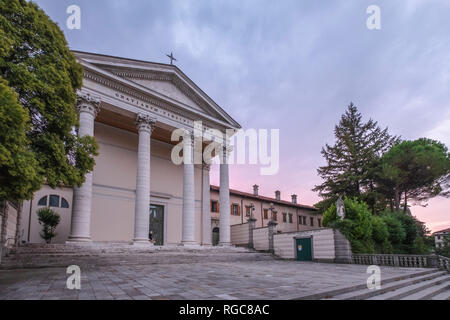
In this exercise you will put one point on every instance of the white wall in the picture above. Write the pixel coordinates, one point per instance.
(261, 239)
(240, 234)
(322, 242)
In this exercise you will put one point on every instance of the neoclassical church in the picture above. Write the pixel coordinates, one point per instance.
(132, 107)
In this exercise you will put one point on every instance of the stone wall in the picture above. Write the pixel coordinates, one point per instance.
(240, 234)
(261, 239)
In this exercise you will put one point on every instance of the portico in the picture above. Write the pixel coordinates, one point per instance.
(132, 107)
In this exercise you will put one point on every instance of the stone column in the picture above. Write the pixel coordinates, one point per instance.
(224, 197)
(80, 229)
(206, 203)
(188, 231)
(145, 125)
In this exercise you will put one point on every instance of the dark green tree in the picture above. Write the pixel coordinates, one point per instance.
(353, 159)
(18, 167)
(40, 68)
(415, 171)
(49, 220)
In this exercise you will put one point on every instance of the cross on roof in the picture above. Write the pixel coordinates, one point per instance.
(171, 57)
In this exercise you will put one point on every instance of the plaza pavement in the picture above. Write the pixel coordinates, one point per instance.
(196, 275)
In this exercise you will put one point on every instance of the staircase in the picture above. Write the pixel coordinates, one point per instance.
(107, 254)
(428, 285)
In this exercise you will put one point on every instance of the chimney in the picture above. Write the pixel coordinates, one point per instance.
(278, 195)
(294, 199)
(255, 189)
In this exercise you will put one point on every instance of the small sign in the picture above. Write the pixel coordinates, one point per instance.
(300, 247)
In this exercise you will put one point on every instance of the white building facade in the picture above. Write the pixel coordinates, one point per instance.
(132, 107)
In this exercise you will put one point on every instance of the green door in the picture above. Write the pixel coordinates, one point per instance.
(304, 251)
(157, 224)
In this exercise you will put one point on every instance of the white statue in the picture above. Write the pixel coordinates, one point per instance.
(340, 207)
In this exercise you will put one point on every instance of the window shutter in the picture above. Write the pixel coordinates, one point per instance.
(239, 210)
(231, 209)
(218, 206)
(210, 205)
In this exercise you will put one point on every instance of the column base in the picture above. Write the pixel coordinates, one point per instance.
(79, 240)
(225, 244)
(190, 244)
(145, 242)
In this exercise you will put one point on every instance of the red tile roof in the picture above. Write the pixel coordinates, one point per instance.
(267, 199)
(442, 231)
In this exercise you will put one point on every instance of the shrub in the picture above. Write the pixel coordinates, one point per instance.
(395, 228)
(49, 220)
(330, 216)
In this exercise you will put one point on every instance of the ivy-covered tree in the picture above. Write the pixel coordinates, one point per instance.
(415, 170)
(40, 68)
(353, 159)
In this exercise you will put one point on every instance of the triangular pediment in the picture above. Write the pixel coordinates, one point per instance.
(169, 89)
(165, 80)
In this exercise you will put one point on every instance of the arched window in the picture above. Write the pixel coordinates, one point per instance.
(43, 201)
(64, 203)
(54, 201)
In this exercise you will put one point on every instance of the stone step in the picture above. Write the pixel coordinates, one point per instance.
(365, 293)
(414, 288)
(442, 296)
(129, 256)
(428, 293)
(330, 294)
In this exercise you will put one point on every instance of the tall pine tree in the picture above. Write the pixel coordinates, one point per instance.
(352, 161)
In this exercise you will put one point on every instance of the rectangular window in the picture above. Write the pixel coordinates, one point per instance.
(319, 223)
(290, 217)
(266, 214)
(214, 206)
(284, 217)
(312, 221)
(275, 217)
(304, 220)
(235, 209)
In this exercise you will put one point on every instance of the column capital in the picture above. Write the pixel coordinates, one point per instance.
(88, 103)
(145, 123)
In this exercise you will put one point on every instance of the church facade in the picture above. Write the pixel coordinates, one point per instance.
(132, 107)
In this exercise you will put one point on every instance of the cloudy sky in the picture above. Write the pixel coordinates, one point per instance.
(291, 65)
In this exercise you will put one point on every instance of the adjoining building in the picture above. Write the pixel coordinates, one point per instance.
(439, 237)
(290, 216)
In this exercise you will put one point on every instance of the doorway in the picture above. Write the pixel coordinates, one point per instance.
(215, 236)
(157, 224)
(304, 249)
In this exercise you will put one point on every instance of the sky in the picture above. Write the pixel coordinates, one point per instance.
(292, 65)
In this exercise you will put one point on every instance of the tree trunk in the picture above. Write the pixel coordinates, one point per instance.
(397, 199)
(406, 202)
